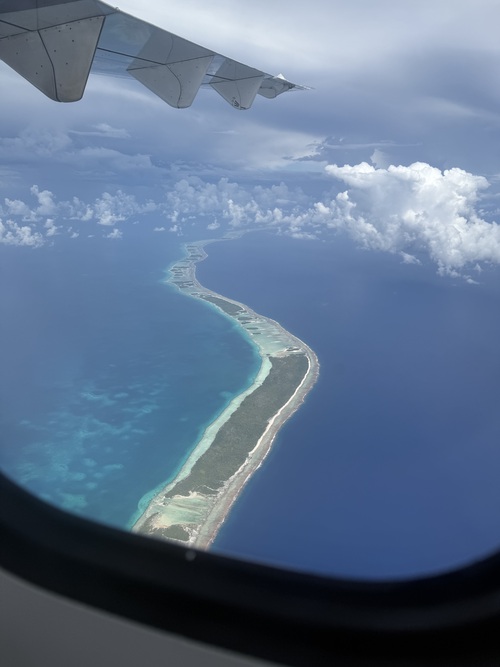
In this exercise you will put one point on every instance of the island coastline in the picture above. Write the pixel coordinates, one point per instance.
(193, 506)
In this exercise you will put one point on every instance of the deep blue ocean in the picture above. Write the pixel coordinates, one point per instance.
(389, 469)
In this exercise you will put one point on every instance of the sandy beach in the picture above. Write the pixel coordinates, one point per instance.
(192, 507)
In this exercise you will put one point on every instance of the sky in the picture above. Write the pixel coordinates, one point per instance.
(394, 145)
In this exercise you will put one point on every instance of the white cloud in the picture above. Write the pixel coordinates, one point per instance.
(380, 158)
(114, 234)
(107, 209)
(419, 207)
(110, 209)
(409, 259)
(407, 210)
(13, 234)
(302, 235)
(78, 210)
(237, 205)
(17, 207)
(46, 205)
(51, 227)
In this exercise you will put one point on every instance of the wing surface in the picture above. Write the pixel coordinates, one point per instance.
(54, 44)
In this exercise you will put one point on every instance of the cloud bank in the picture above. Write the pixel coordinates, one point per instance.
(414, 211)
(409, 210)
(33, 223)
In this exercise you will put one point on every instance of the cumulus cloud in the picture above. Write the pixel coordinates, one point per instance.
(45, 205)
(409, 210)
(110, 209)
(409, 259)
(380, 158)
(17, 207)
(16, 235)
(107, 209)
(236, 205)
(115, 234)
(51, 227)
(414, 208)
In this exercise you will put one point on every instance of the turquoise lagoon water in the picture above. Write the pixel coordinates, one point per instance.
(108, 376)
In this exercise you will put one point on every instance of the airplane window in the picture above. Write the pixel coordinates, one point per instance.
(272, 332)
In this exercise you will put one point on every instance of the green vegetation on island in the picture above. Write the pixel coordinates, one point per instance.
(191, 508)
(239, 435)
(227, 306)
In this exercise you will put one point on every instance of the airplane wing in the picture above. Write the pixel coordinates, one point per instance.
(55, 43)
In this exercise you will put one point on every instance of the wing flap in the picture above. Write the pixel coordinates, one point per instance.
(171, 67)
(55, 60)
(176, 83)
(238, 84)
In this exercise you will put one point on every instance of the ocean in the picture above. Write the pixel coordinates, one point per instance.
(389, 469)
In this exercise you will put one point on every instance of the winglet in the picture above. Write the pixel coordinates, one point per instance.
(272, 86)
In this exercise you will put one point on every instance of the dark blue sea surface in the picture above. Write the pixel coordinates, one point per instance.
(108, 377)
(391, 467)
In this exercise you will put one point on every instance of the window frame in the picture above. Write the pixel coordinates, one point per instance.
(256, 610)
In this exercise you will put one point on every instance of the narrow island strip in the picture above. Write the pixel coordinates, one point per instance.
(192, 507)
